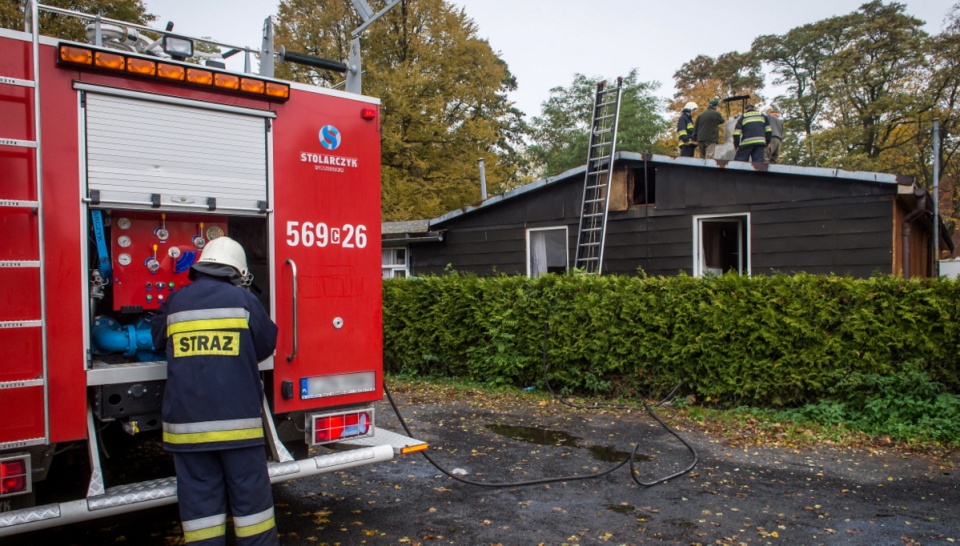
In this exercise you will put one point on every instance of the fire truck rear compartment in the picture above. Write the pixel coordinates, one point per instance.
(149, 257)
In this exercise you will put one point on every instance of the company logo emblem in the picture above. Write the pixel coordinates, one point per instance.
(330, 137)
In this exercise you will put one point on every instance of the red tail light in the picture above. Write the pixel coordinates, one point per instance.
(341, 426)
(14, 476)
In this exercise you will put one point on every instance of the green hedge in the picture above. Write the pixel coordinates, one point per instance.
(774, 341)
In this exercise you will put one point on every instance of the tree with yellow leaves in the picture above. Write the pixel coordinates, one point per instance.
(443, 91)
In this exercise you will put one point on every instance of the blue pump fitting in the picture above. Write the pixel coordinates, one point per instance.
(109, 336)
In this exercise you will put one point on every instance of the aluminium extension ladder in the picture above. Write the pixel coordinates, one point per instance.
(596, 186)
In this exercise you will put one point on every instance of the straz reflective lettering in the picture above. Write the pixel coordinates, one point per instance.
(320, 235)
(209, 343)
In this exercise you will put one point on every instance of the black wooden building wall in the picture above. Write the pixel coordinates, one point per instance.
(798, 222)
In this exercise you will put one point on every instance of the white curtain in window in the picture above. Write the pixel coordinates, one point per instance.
(538, 253)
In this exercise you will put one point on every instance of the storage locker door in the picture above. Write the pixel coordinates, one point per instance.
(137, 149)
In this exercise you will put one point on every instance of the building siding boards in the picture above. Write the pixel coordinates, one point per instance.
(814, 223)
(493, 240)
(845, 236)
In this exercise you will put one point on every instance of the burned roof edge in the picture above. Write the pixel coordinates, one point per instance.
(819, 172)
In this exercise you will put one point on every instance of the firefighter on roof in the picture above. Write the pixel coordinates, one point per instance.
(751, 135)
(215, 333)
(685, 130)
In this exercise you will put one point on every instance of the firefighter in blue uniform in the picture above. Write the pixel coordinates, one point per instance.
(751, 135)
(215, 332)
(685, 130)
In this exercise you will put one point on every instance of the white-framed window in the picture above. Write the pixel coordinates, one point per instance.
(546, 251)
(394, 263)
(721, 243)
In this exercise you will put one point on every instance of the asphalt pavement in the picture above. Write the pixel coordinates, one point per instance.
(740, 491)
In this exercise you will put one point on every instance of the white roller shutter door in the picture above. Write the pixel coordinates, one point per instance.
(137, 149)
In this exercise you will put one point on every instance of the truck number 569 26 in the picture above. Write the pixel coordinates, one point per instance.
(321, 235)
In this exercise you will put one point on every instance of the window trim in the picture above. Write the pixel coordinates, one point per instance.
(745, 237)
(566, 246)
(396, 267)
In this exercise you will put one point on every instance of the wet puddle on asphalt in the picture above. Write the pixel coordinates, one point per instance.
(534, 435)
(547, 437)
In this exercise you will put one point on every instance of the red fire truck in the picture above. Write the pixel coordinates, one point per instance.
(118, 163)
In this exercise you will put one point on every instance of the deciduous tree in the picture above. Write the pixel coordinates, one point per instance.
(133, 11)
(443, 91)
(727, 75)
(855, 88)
(874, 81)
(797, 61)
(561, 133)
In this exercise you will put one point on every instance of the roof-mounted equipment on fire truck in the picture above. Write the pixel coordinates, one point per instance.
(177, 47)
(84, 56)
(310, 60)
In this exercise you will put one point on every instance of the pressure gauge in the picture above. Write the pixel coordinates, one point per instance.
(123, 223)
(124, 259)
(123, 241)
(174, 252)
(213, 232)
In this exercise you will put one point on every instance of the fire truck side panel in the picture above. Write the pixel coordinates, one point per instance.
(23, 414)
(19, 231)
(327, 202)
(19, 354)
(15, 111)
(65, 276)
(20, 301)
(14, 108)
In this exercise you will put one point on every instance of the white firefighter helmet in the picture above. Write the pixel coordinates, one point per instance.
(690, 106)
(224, 250)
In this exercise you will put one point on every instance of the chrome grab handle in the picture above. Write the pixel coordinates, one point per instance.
(293, 267)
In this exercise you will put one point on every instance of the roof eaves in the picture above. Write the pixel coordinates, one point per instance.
(533, 186)
(407, 226)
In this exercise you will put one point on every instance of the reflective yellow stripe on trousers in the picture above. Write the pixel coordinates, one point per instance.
(196, 530)
(247, 526)
(212, 431)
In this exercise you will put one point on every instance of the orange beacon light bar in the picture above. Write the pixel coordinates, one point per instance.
(81, 56)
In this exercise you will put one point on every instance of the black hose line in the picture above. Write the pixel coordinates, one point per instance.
(632, 457)
(496, 485)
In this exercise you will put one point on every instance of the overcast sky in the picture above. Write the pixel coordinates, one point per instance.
(546, 42)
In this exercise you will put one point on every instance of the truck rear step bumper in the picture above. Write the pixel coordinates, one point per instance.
(149, 494)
